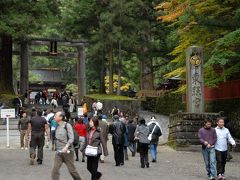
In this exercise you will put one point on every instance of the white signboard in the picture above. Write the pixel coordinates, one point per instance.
(80, 111)
(10, 113)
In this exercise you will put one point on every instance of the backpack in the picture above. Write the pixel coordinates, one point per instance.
(76, 137)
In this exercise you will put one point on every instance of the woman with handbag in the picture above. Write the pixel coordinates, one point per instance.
(141, 134)
(95, 144)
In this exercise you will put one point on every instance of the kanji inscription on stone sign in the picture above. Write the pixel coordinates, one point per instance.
(195, 81)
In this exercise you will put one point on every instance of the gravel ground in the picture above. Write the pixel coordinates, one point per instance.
(171, 165)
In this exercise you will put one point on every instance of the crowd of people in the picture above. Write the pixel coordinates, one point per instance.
(87, 135)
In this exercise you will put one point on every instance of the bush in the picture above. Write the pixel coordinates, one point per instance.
(168, 104)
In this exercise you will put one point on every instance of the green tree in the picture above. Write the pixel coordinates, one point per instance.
(18, 20)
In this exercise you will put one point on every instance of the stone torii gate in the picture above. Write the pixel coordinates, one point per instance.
(53, 43)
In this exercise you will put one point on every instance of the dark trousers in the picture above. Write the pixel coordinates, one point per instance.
(118, 154)
(68, 159)
(37, 142)
(53, 137)
(92, 166)
(132, 147)
(143, 149)
(221, 157)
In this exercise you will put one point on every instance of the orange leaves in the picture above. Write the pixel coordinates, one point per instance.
(172, 10)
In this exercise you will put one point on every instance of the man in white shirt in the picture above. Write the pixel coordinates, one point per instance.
(223, 138)
(99, 107)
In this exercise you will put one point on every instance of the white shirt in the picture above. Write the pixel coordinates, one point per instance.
(99, 106)
(54, 102)
(49, 116)
(223, 137)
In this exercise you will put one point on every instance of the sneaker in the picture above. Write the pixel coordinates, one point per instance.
(211, 178)
(22, 147)
(154, 160)
(147, 165)
(220, 177)
(99, 176)
(26, 148)
(223, 176)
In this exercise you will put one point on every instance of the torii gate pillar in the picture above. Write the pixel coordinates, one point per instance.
(24, 58)
(81, 72)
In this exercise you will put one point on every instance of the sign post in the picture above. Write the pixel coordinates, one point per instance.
(7, 113)
(80, 111)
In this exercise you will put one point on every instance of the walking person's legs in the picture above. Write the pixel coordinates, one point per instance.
(33, 146)
(125, 153)
(95, 174)
(141, 151)
(206, 157)
(22, 139)
(116, 154)
(219, 162)
(212, 163)
(57, 165)
(82, 146)
(76, 153)
(224, 161)
(146, 155)
(25, 140)
(69, 161)
(53, 138)
(83, 156)
(153, 150)
(121, 154)
(134, 149)
(40, 144)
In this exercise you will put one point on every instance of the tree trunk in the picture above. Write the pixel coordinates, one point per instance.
(6, 72)
(102, 88)
(81, 73)
(24, 85)
(111, 71)
(146, 68)
(119, 69)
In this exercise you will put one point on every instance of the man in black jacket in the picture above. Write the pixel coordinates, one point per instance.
(117, 129)
(156, 132)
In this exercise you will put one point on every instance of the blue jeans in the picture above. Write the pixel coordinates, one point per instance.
(210, 161)
(153, 150)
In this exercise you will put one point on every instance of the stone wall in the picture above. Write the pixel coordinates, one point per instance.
(172, 103)
(183, 128)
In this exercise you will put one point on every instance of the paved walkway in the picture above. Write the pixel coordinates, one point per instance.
(14, 165)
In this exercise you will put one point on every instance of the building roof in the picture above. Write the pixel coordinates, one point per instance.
(48, 74)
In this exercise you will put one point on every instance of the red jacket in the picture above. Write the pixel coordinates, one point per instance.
(81, 129)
